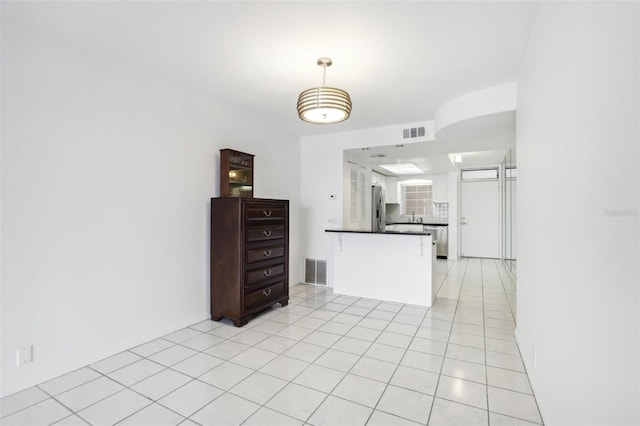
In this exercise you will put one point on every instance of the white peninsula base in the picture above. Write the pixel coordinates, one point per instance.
(396, 267)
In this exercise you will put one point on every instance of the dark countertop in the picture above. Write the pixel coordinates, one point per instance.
(418, 223)
(356, 231)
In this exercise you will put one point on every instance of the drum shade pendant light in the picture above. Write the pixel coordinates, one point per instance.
(324, 105)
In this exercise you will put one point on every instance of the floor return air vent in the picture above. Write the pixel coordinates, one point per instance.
(315, 271)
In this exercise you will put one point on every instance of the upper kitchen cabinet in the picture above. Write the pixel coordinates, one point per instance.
(440, 188)
(236, 174)
(378, 179)
(392, 190)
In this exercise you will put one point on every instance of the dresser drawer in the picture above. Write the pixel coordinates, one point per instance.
(263, 233)
(257, 275)
(265, 294)
(260, 254)
(265, 212)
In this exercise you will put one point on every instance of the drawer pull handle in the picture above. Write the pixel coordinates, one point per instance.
(267, 292)
(267, 272)
(267, 253)
(267, 233)
(266, 213)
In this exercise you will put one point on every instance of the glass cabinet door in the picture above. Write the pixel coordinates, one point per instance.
(236, 174)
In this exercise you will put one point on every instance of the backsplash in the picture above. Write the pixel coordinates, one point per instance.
(440, 214)
(441, 210)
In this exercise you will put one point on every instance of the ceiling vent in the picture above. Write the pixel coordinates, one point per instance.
(413, 132)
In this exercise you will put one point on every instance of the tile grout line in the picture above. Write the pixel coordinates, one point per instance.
(396, 367)
(305, 369)
(484, 339)
(291, 381)
(315, 306)
(347, 373)
(313, 362)
(511, 309)
(435, 391)
(402, 306)
(360, 356)
(227, 391)
(520, 355)
(77, 413)
(526, 373)
(151, 400)
(373, 409)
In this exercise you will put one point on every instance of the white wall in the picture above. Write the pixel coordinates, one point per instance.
(487, 101)
(321, 168)
(454, 220)
(322, 163)
(106, 180)
(578, 190)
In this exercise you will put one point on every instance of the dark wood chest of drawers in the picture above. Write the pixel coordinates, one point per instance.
(249, 256)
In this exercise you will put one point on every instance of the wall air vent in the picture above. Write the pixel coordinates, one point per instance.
(315, 271)
(413, 132)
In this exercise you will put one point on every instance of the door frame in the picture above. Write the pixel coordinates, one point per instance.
(500, 200)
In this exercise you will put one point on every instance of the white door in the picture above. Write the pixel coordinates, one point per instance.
(480, 219)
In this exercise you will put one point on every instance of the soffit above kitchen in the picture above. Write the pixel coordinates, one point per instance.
(478, 141)
(399, 61)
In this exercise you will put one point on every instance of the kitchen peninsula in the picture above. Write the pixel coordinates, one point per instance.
(396, 266)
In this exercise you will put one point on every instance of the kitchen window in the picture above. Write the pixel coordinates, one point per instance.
(479, 174)
(416, 199)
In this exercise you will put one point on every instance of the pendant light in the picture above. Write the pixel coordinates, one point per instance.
(324, 105)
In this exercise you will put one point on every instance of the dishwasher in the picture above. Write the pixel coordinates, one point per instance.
(440, 234)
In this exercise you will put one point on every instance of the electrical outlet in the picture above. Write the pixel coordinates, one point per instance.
(24, 355)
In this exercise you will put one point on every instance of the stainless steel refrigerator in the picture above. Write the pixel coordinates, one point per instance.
(377, 209)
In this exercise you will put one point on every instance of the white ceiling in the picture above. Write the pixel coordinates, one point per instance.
(398, 60)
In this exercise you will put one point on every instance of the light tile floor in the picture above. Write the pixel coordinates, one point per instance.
(325, 359)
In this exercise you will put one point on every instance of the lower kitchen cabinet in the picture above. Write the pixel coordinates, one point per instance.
(249, 256)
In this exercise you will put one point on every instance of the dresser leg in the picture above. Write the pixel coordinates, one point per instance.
(284, 303)
(216, 317)
(241, 322)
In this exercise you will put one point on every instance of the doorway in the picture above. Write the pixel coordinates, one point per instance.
(480, 218)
